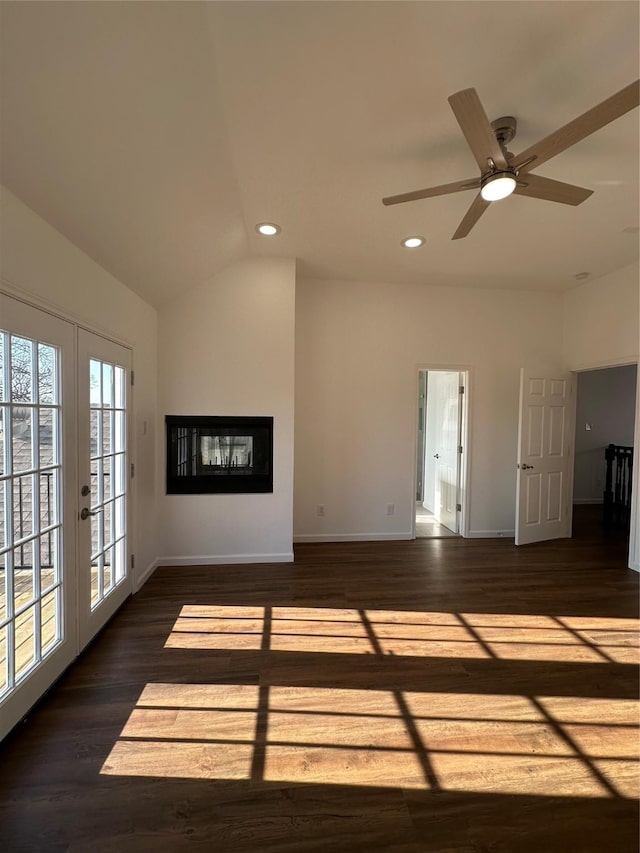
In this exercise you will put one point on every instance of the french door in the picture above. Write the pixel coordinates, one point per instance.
(104, 578)
(60, 577)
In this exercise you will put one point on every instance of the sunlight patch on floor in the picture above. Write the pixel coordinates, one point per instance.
(406, 633)
(384, 738)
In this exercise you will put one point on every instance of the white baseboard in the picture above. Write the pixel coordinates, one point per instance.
(300, 538)
(587, 501)
(225, 559)
(139, 581)
(491, 534)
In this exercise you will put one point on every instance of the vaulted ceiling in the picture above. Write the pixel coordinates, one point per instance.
(155, 135)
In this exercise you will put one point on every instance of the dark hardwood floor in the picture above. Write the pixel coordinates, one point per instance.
(411, 697)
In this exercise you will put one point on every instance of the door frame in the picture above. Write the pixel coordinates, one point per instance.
(465, 431)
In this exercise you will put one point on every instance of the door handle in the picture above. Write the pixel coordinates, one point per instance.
(436, 456)
(525, 467)
(85, 513)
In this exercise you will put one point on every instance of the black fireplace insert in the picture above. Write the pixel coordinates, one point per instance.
(209, 454)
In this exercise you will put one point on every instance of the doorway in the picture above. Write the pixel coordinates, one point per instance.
(605, 415)
(440, 447)
(64, 506)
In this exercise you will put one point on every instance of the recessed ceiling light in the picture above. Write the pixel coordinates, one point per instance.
(580, 276)
(413, 242)
(269, 229)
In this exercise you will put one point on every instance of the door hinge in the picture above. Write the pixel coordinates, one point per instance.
(132, 377)
(133, 561)
(459, 448)
(133, 470)
(459, 507)
(461, 389)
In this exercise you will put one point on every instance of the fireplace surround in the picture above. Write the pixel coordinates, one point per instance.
(211, 454)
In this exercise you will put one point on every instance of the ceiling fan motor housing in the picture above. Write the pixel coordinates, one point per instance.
(504, 129)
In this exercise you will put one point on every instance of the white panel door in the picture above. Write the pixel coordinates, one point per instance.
(37, 508)
(447, 401)
(104, 573)
(545, 439)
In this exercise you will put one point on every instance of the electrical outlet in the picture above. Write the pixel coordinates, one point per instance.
(320, 510)
(391, 508)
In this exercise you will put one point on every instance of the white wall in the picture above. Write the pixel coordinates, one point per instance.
(227, 348)
(606, 401)
(38, 262)
(601, 321)
(358, 349)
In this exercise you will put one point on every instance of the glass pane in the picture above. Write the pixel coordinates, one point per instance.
(47, 437)
(96, 567)
(2, 417)
(95, 383)
(121, 560)
(119, 518)
(118, 468)
(23, 575)
(107, 467)
(49, 513)
(22, 507)
(97, 490)
(94, 433)
(46, 374)
(49, 620)
(25, 641)
(93, 498)
(47, 500)
(3, 660)
(21, 370)
(21, 438)
(107, 531)
(3, 339)
(49, 563)
(96, 534)
(107, 432)
(3, 587)
(4, 488)
(120, 432)
(108, 570)
(120, 397)
(107, 385)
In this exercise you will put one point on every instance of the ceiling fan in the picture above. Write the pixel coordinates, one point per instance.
(502, 173)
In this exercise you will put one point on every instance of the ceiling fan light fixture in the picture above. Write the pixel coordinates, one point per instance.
(413, 242)
(498, 185)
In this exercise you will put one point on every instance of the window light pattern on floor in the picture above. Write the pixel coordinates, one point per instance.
(274, 732)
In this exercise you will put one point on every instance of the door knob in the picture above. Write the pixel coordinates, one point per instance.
(85, 513)
(436, 456)
(526, 467)
(84, 491)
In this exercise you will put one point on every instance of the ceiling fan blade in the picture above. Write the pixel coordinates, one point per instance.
(478, 207)
(444, 189)
(586, 124)
(478, 132)
(535, 186)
